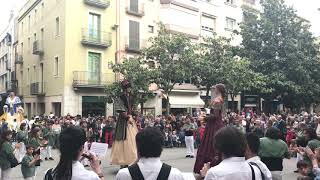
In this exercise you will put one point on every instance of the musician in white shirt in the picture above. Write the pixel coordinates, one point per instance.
(231, 145)
(150, 143)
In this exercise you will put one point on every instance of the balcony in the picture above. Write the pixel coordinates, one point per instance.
(86, 79)
(135, 45)
(37, 47)
(37, 88)
(19, 59)
(135, 10)
(98, 3)
(193, 33)
(96, 38)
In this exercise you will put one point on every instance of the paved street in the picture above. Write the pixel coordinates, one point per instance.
(174, 157)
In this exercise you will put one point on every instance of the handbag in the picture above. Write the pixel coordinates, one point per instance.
(13, 160)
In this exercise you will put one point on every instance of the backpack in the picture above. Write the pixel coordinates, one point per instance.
(136, 174)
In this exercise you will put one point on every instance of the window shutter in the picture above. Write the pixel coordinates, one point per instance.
(134, 5)
(134, 35)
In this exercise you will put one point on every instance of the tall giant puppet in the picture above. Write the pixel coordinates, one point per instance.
(13, 109)
(124, 151)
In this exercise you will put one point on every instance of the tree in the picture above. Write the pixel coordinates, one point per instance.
(173, 56)
(135, 71)
(280, 46)
(238, 76)
(213, 52)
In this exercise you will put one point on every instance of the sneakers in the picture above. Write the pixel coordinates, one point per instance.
(46, 159)
(51, 158)
(187, 156)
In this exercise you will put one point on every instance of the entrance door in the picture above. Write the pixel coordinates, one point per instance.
(93, 105)
(94, 68)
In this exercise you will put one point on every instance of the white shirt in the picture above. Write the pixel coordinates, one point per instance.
(150, 169)
(233, 168)
(80, 173)
(262, 166)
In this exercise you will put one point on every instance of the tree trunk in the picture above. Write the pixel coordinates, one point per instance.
(232, 102)
(168, 107)
(141, 107)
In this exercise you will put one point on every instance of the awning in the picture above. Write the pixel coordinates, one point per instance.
(250, 105)
(186, 101)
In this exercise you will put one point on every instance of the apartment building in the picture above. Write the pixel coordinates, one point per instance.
(67, 48)
(7, 76)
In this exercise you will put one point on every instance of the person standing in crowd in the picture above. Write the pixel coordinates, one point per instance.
(311, 138)
(206, 151)
(253, 145)
(107, 131)
(189, 128)
(36, 141)
(150, 144)
(272, 152)
(72, 140)
(48, 134)
(231, 145)
(124, 151)
(56, 130)
(28, 163)
(6, 154)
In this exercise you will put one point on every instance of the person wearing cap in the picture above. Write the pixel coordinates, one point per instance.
(124, 150)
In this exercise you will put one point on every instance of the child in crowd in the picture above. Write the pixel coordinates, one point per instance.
(175, 139)
(86, 149)
(49, 135)
(305, 169)
(28, 167)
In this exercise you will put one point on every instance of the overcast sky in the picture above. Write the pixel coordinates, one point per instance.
(307, 9)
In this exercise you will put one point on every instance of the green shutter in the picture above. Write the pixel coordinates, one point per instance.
(134, 35)
(134, 6)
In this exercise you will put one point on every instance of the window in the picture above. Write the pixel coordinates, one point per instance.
(56, 66)
(29, 21)
(230, 2)
(29, 44)
(134, 35)
(94, 27)
(42, 34)
(94, 68)
(22, 48)
(134, 6)
(57, 26)
(42, 10)
(35, 16)
(208, 23)
(150, 29)
(230, 24)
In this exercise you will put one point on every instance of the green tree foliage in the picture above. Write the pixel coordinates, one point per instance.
(134, 70)
(173, 56)
(280, 46)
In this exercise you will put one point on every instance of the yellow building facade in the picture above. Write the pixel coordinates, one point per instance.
(66, 49)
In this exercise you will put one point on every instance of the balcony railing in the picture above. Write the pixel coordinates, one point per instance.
(19, 59)
(135, 45)
(97, 38)
(98, 3)
(37, 47)
(92, 79)
(37, 88)
(139, 11)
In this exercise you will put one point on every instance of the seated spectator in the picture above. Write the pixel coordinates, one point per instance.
(72, 140)
(252, 155)
(150, 144)
(231, 145)
(272, 152)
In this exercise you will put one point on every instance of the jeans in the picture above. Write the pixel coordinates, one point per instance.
(190, 145)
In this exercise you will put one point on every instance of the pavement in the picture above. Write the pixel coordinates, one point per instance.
(173, 156)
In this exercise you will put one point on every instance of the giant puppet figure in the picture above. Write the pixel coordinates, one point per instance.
(13, 110)
(124, 150)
